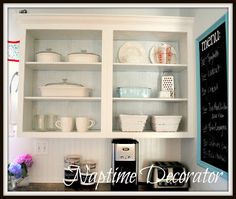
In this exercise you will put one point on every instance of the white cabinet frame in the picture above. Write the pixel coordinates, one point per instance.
(108, 25)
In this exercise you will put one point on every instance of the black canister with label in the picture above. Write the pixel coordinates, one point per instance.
(71, 171)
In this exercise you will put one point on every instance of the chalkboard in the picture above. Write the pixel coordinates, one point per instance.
(212, 94)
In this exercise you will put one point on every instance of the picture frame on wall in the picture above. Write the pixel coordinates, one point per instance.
(212, 97)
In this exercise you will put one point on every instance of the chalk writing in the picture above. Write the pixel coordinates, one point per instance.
(211, 40)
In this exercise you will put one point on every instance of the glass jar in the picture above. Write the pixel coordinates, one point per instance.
(12, 182)
(88, 172)
(40, 122)
(51, 120)
(71, 170)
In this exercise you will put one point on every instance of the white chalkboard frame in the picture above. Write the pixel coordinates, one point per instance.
(200, 162)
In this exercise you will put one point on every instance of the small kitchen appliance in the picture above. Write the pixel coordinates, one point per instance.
(125, 164)
(166, 176)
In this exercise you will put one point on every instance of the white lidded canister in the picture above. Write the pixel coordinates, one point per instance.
(64, 89)
(48, 56)
(83, 57)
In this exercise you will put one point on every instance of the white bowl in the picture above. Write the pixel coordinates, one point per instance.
(130, 123)
(168, 119)
(166, 123)
(166, 127)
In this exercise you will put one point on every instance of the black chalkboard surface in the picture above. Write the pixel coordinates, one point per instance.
(212, 92)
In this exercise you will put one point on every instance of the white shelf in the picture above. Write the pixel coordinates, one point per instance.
(149, 67)
(151, 134)
(54, 134)
(63, 98)
(151, 99)
(64, 66)
(98, 134)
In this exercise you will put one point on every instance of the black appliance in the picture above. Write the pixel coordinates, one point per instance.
(166, 176)
(124, 164)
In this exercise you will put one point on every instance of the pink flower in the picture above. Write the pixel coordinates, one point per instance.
(24, 158)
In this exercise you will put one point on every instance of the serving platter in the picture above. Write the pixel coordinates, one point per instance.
(132, 52)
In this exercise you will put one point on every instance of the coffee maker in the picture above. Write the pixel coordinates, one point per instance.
(124, 164)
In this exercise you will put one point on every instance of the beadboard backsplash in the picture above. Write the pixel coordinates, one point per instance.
(49, 168)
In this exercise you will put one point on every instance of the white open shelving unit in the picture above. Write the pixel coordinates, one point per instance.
(64, 66)
(151, 99)
(73, 33)
(63, 98)
(149, 67)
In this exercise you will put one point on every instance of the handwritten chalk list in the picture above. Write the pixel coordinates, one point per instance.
(214, 98)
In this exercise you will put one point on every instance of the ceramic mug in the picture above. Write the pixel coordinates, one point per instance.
(83, 124)
(66, 124)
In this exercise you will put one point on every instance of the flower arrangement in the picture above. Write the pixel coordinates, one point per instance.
(19, 167)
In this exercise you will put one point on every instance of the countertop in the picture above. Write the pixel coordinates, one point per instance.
(101, 187)
(62, 187)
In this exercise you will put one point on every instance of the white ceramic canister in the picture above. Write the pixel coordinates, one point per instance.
(83, 57)
(48, 56)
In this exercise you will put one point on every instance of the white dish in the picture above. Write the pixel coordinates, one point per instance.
(163, 53)
(166, 123)
(48, 56)
(132, 122)
(164, 94)
(166, 119)
(132, 52)
(83, 57)
(64, 89)
(165, 128)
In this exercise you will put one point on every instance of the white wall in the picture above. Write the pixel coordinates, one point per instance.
(204, 18)
(49, 168)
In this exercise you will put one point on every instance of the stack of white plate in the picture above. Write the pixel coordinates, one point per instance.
(132, 122)
(166, 123)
